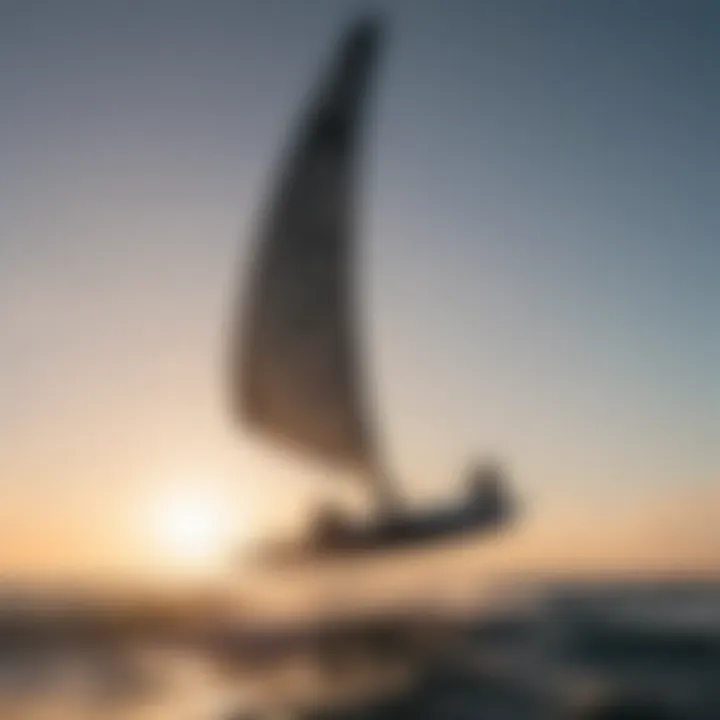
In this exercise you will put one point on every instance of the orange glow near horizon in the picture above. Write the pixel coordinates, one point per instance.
(189, 522)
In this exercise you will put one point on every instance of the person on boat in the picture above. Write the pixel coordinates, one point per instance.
(489, 497)
(331, 528)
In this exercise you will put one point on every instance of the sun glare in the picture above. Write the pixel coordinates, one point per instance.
(193, 528)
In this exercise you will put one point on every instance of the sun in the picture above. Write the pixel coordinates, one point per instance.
(193, 527)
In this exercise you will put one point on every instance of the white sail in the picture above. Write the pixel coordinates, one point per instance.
(296, 374)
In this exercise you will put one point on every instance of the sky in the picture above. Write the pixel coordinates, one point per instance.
(539, 228)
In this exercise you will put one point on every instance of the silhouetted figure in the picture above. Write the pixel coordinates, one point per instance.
(330, 528)
(488, 493)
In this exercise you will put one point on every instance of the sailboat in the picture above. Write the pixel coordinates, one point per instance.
(297, 376)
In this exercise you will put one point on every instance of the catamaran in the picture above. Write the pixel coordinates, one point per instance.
(297, 375)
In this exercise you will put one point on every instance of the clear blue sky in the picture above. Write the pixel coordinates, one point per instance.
(541, 229)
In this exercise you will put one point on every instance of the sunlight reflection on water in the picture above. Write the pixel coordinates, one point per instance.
(165, 685)
(153, 686)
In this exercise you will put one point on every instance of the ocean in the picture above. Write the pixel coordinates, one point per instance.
(578, 648)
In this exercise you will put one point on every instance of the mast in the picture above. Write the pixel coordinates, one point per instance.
(297, 375)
